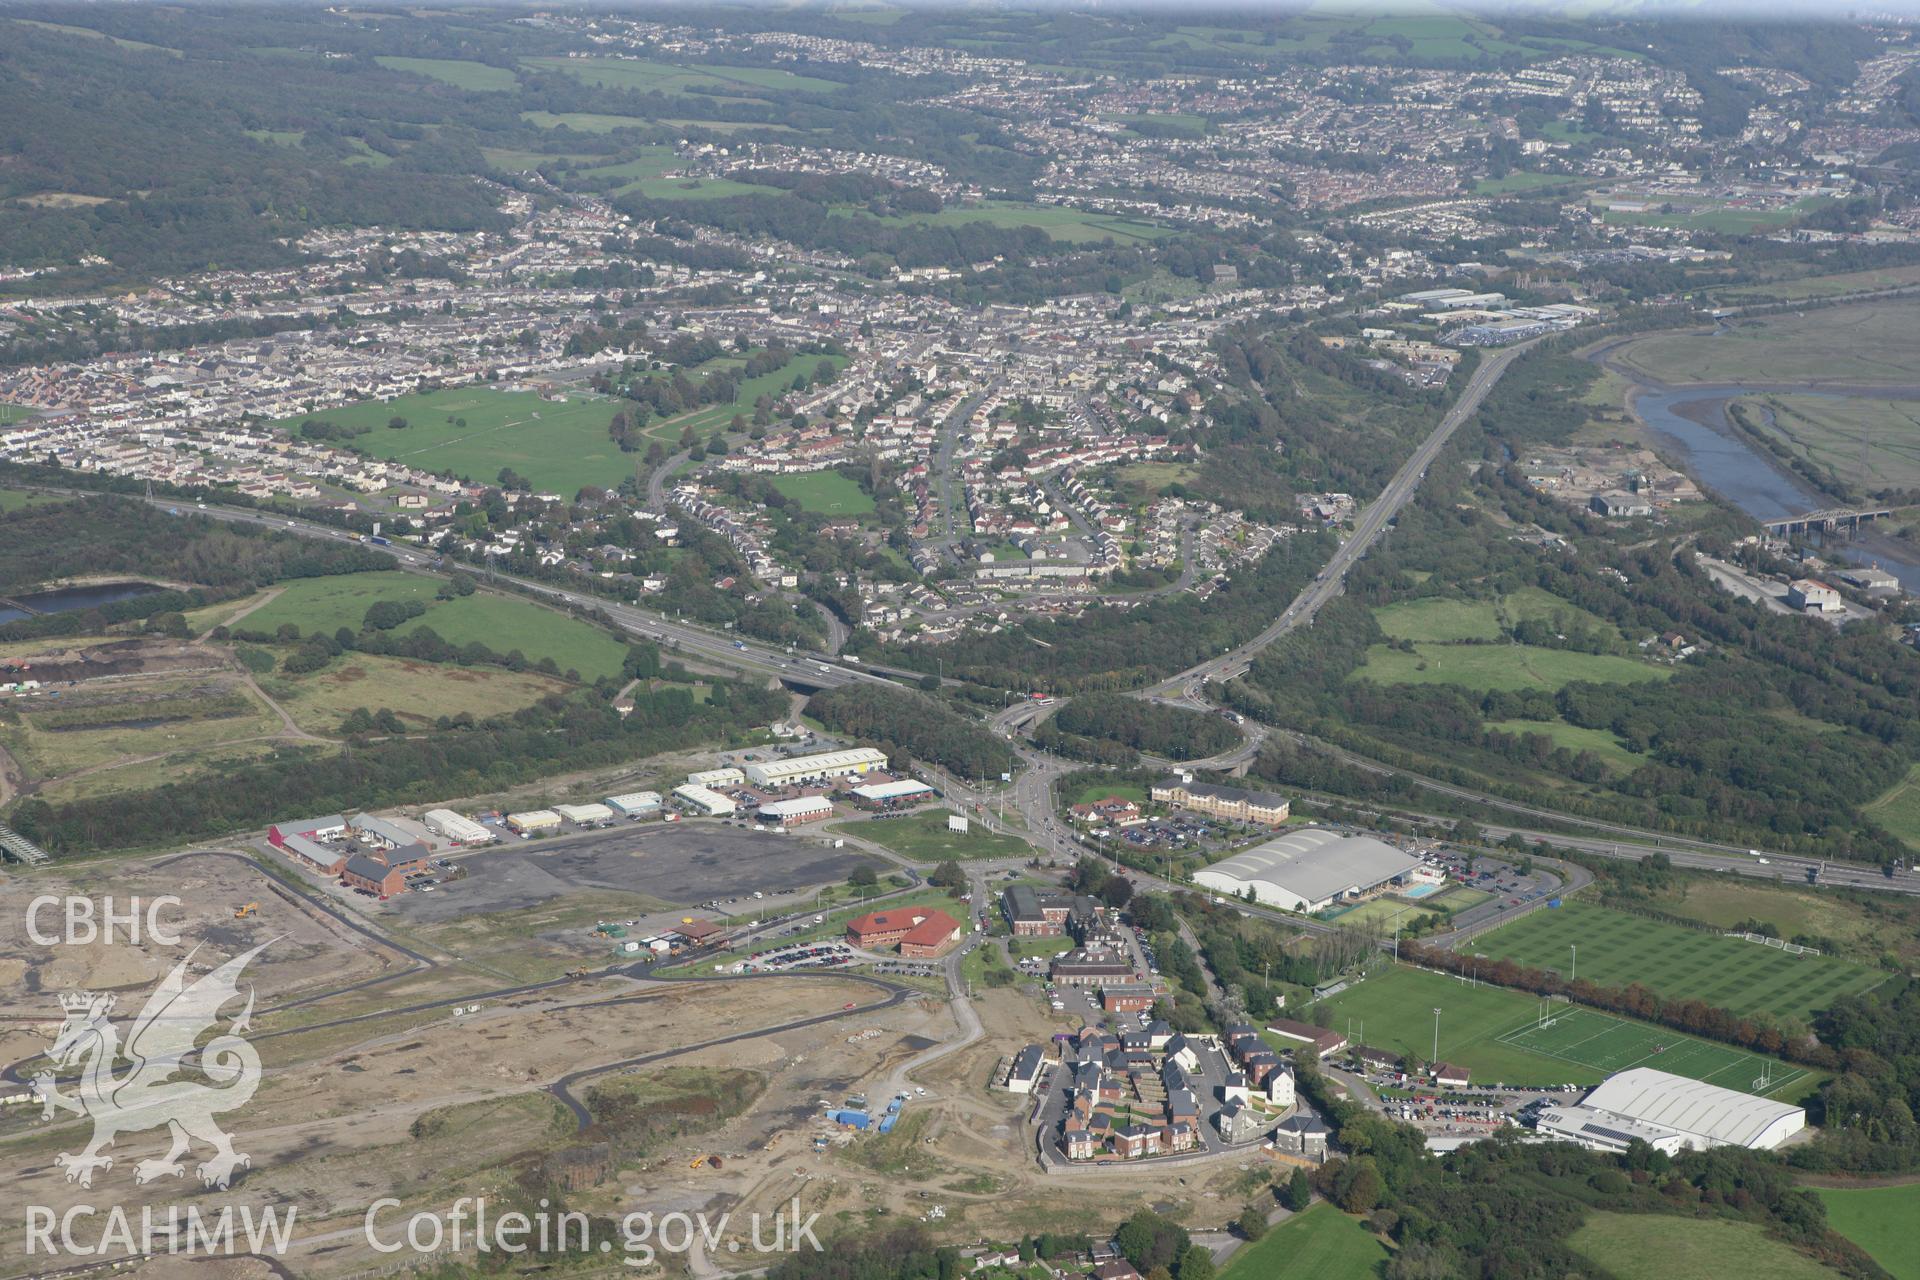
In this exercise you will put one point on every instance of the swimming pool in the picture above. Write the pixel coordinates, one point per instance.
(1420, 890)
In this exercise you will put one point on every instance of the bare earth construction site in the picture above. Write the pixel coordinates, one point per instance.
(394, 1068)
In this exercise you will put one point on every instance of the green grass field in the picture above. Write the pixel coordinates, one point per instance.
(1734, 221)
(1072, 226)
(1881, 1221)
(1809, 287)
(1145, 480)
(1494, 1033)
(88, 33)
(1448, 620)
(506, 623)
(14, 499)
(327, 604)
(1616, 949)
(1500, 666)
(1382, 913)
(12, 413)
(1088, 793)
(924, 838)
(665, 77)
(1885, 925)
(502, 623)
(1867, 344)
(1898, 810)
(643, 162)
(1438, 620)
(582, 121)
(557, 444)
(453, 71)
(46, 750)
(827, 492)
(1321, 1243)
(694, 188)
(1600, 742)
(515, 159)
(1638, 1246)
(716, 416)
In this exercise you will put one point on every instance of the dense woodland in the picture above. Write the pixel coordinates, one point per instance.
(1172, 733)
(94, 536)
(1868, 1109)
(1775, 731)
(912, 724)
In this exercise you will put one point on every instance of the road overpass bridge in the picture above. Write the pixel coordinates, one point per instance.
(1842, 520)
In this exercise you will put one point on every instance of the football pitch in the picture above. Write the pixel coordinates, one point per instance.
(1617, 949)
(1609, 1044)
(1496, 1033)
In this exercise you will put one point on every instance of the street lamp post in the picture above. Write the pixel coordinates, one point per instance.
(1436, 1035)
(1573, 970)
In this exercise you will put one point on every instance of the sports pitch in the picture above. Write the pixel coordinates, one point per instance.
(1496, 1034)
(1616, 949)
(1609, 1044)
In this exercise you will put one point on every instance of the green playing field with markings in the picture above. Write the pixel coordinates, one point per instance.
(1616, 949)
(1517, 1038)
(1607, 1044)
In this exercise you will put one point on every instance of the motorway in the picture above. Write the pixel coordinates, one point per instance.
(1372, 523)
(1031, 792)
(677, 636)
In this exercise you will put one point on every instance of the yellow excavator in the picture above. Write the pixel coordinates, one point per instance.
(246, 912)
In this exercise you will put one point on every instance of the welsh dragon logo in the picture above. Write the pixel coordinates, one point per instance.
(159, 1085)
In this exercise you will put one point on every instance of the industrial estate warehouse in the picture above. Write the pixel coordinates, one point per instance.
(828, 764)
(1309, 869)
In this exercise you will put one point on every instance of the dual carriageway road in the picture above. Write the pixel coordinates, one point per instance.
(1031, 791)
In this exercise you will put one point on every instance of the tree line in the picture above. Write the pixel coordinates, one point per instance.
(1174, 733)
(555, 735)
(913, 724)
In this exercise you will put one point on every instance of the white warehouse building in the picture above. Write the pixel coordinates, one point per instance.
(445, 822)
(534, 821)
(635, 804)
(828, 764)
(1681, 1112)
(1308, 869)
(584, 815)
(703, 800)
